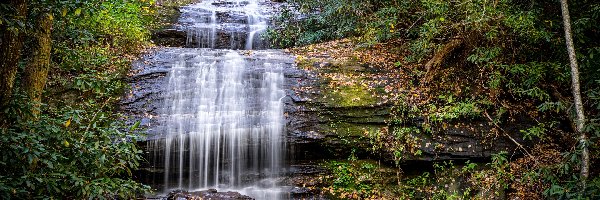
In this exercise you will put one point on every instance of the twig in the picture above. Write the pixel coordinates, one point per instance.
(94, 117)
(408, 29)
(511, 138)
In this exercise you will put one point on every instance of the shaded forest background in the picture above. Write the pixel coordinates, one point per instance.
(63, 66)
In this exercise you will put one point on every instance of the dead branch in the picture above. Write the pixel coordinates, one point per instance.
(511, 138)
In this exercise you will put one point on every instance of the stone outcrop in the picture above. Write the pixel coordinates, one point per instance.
(170, 37)
(318, 128)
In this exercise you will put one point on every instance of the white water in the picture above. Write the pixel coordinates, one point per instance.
(256, 22)
(238, 19)
(224, 121)
(223, 112)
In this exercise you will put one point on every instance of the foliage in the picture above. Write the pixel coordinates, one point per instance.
(564, 184)
(414, 124)
(443, 183)
(461, 181)
(494, 181)
(502, 38)
(77, 147)
(320, 21)
(68, 153)
(358, 179)
(118, 24)
(511, 64)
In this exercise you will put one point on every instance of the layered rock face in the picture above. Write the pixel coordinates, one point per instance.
(221, 25)
(213, 113)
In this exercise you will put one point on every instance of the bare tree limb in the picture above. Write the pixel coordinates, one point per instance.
(511, 138)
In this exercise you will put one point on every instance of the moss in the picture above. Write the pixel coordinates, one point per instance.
(354, 95)
(167, 14)
(348, 66)
(306, 63)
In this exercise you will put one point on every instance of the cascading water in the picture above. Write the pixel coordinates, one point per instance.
(256, 23)
(222, 121)
(224, 24)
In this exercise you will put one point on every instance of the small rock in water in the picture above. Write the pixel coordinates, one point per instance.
(205, 194)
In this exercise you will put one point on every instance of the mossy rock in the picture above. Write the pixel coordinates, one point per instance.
(354, 95)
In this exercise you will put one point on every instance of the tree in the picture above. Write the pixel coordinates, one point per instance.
(10, 51)
(36, 71)
(580, 116)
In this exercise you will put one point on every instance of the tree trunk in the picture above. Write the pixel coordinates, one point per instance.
(36, 71)
(440, 57)
(580, 118)
(10, 53)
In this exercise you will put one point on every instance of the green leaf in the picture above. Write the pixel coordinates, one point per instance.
(135, 126)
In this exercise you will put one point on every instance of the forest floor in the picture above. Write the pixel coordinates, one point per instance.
(343, 63)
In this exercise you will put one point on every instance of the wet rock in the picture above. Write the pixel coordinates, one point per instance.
(229, 3)
(205, 194)
(216, 25)
(170, 37)
(231, 17)
(306, 181)
(307, 136)
(222, 25)
(145, 101)
(148, 79)
(303, 192)
(461, 140)
(324, 64)
(320, 130)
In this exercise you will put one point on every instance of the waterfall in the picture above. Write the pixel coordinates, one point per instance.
(256, 23)
(209, 23)
(222, 121)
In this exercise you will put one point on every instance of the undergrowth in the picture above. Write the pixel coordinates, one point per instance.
(499, 63)
(78, 146)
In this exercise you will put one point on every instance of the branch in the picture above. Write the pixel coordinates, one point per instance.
(511, 138)
(94, 117)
